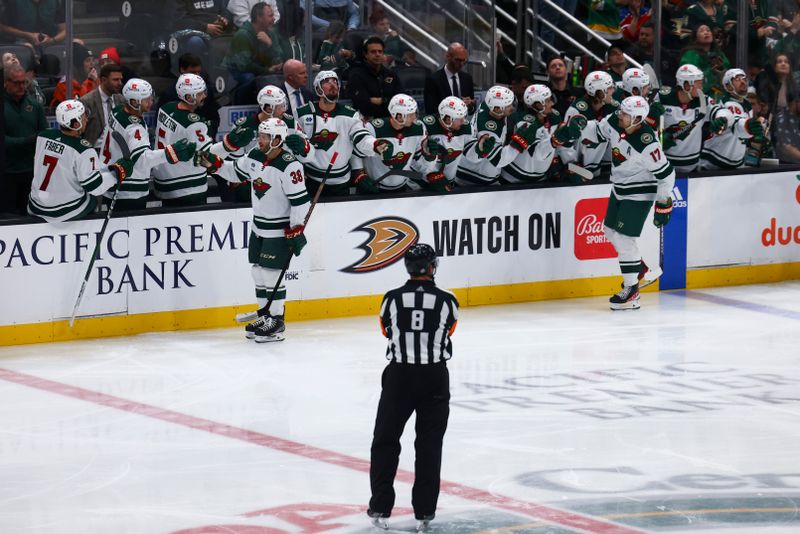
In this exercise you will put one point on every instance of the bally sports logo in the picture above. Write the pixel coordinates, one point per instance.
(389, 238)
(590, 241)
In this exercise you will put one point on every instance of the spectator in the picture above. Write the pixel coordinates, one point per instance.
(206, 16)
(554, 17)
(632, 23)
(789, 42)
(776, 82)
(409, 59)
(84, 63)
(326, 11)
(209, 110)
(643, 52)
(34, 23)
(393, 46)
(762, 26)
(603, 18)
(100, 101)
(10, 58)
(557, 80)
(240, 10)
(255, 50)
(616, 64)
(450, 81)
(786, 136)
(705, 54)
(111, 56)
(24, 119)
(291, 32)
(371, 84)
(711, 13)
(295, 78)
(332, 55)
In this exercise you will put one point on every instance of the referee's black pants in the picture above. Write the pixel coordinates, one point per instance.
(405, 389)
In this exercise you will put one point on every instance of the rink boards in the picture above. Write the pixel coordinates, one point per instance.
(189, 270)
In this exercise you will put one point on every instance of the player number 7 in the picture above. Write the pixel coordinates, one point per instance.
(51, 162)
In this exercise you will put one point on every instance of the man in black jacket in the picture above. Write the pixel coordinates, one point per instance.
(371, 85)
(450, 81)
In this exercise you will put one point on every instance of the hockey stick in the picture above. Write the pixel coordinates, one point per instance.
(252, 316)
(126, 153)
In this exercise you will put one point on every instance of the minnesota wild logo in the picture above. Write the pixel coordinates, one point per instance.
(588, 143)
(617, 157)
(260, 187)
(324, 139)
(398, 160)
(451, 155)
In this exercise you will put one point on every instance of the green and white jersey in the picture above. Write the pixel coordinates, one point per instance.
(279, 195)
(639, 168)
(727, 150)
(474, 169)
(453, 141)
(340, 131)
(183, 178)
(252, 122)
(591, 150)
(533, 164)
(134, 131)
(684, 122)
(406, 153)
(66, 171)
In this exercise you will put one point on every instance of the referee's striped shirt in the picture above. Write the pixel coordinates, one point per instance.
(418, 320)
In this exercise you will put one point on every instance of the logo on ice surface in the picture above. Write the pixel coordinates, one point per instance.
(590, 241)
(389, 238)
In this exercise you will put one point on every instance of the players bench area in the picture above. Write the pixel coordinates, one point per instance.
(172, 269)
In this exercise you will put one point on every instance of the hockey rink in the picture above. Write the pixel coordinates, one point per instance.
(683, 416)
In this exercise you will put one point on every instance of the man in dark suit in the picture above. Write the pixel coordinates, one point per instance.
(101, 100)
(295, 78)
(450, 81)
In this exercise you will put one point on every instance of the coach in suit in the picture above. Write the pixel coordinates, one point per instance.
(450, 81)
(100, 100)
(295, 76)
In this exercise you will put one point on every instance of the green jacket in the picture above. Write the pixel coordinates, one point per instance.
(713, 64)
(248, 54)
(24, 120)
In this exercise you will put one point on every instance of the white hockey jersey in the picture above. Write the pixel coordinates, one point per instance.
(684, 123)
(533, 164)
(474, 169)
(66, 171)
(279, 195)
(452, 141)
(591, 150)
(134, 131)
(727, 150)
(406, 153)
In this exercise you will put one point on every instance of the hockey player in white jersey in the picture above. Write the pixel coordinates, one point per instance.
(406, 134)
(67, 174)
(186, 183)
(330, 127)
(685, 113)
(640, 174)
(280, 204)
(127, 122)
(726, 149)
(487, 153)
(448, 134)
(636, 82)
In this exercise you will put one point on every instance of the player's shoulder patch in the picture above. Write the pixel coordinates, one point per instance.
(86, 143)
(241, 120)
(581, 105)
(647, 138)
(194, 117)
(378, 123)
(429, 120)
(288, 157)
(555, 116)
(665, 90)
(491, 125)
(528, 117)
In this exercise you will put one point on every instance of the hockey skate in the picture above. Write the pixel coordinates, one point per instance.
(648, 276)
(627, 299)
(378, 519)
(424, 524)
(271, 330)
(250, 329)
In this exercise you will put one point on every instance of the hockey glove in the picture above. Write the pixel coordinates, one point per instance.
(297, 240)
(437, 181)
(363, 183)
(656, 111)
(237, 138)
(718, 125)
(523, 138)
(663, 211)
(208, 160)
(297, 144)
(565, 135)
(383, 148)
(181, 150)
(669, 141)
(485, 145)
(755, 129)
(434, 149)
(122, 167)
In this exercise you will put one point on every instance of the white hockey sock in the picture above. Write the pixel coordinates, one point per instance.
(630, 259)
(269, 277)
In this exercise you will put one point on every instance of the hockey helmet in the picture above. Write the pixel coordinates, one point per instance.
(419, 257)
(271, 96)
(598, 80)
(688, 73)
(402, 105)
(637, 107)
(321, 77)
(729, 76)
(452, 111)
(68, 111)
(275, 128)
(190, 87)
(635, 79)
(499, 99)
(137, 90)
(537, 94)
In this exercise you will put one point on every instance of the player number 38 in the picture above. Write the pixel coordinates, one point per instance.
(297, 177)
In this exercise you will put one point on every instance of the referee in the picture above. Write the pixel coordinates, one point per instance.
(418, 319)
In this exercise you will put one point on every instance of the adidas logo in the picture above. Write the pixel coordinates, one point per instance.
(677, 198)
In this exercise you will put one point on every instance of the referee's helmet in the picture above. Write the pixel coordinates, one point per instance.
(419, 257)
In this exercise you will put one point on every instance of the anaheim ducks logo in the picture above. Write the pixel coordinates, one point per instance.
(398, 160)
(324, 139)
(389, 238)
(260, 187)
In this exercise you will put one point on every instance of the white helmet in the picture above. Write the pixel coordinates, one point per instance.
(536, 94)
(635, 79)
(688, 73)
(453, 107)
(189, 86)
(499, 97)
(272, 96)
(636, 107)
(68, 111)
(730, 75)
(274, 128)
(137, 89)
(401, 104)
(597, 80)
(321, 77)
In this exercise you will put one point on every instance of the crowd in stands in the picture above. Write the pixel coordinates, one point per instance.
(249, 44)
